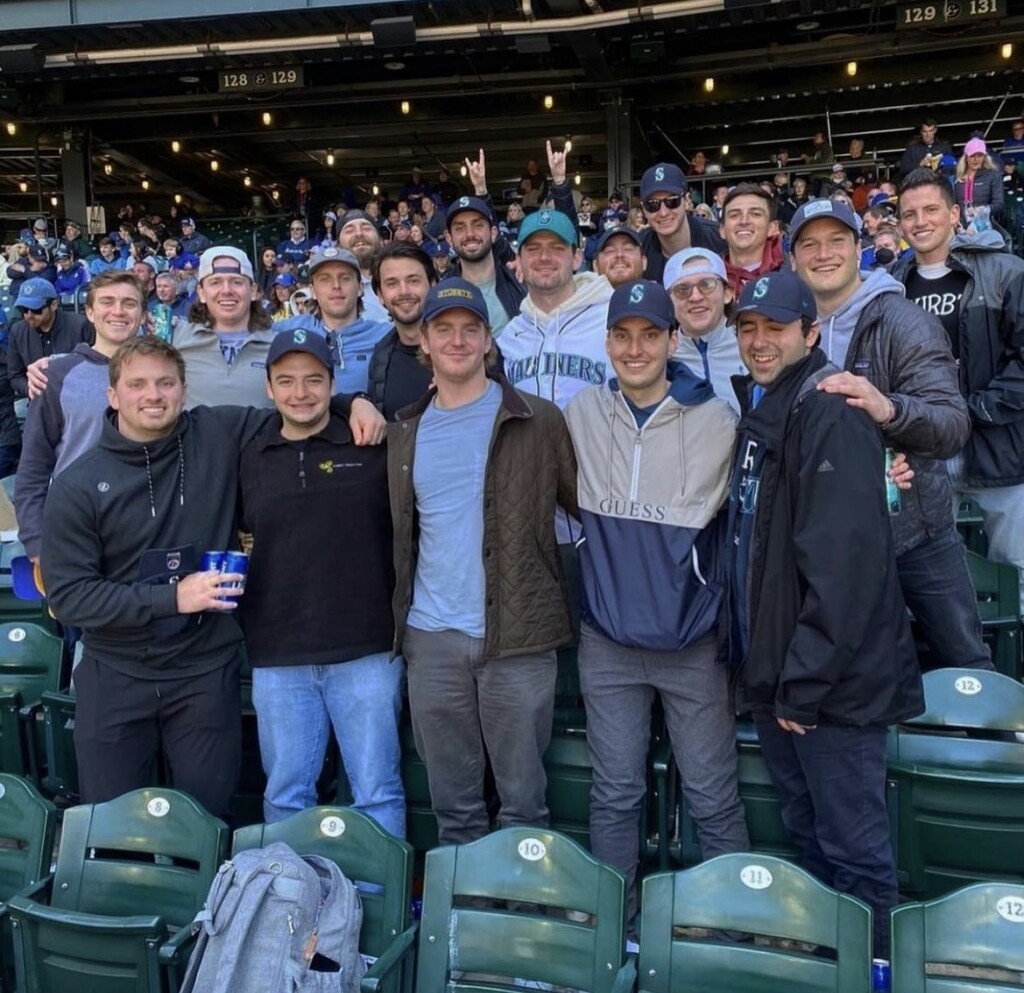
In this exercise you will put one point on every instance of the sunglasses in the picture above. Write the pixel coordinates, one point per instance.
(653, 204)
(707, 286)
(35, 310)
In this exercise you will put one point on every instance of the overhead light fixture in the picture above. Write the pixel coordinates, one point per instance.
(54, 201)
(568, 144)
(851, 68)
(406, 107)
(268, 118)
(1006, 51)
(12, 128)
(175, 146)
(578, 179)
(330, 156)
(276, 194)
(709, 84)
(23, 186)
(177, 198)
(375, 189)
(725, 149)
(462, 171)
(394, 66)
(808, 25)
(549, 102)
(108, 168)
(190, 80)
(247, 181)
(214, 165)
(145, 184)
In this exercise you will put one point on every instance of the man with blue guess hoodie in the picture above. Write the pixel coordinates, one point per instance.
(654, 448)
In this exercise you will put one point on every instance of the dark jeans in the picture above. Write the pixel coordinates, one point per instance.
(9, 456)
(938, 590)
(121, 722)
(832, 784)
(461, 703)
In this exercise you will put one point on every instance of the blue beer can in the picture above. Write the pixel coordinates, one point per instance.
(236, 562)
(881, 978)
(212, 562)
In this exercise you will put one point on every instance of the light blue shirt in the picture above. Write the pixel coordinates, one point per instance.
(352, 347)
(449, 467)
(496, 312)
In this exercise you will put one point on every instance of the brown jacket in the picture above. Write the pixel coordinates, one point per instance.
(531, 467)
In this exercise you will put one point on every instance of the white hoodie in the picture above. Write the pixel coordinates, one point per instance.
(557, 355)
(718, 362)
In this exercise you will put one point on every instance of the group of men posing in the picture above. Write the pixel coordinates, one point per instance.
(706, 553)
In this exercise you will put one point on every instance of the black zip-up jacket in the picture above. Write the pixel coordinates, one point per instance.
(126, 521)
(703, 234)
(991, 367)
(27, 345)
(829, 638)
(321, 576)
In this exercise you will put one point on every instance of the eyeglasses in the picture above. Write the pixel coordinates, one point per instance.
(298, 227)
(35, 310)
(706, 286)
(652, 205)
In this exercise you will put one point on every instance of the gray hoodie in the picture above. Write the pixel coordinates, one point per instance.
(837, 329)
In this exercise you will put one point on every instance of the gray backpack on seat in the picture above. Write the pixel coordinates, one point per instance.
(275, 922)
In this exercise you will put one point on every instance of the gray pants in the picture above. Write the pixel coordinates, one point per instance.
(618, 685)
(1002, 510)
(460, 704)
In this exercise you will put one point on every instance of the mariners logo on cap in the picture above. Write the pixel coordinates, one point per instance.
(330, 253)
(299, 337)
(544, 217)
(636, 294)
(464, 202)
(659, 174)
(761, 288)
(817, 207)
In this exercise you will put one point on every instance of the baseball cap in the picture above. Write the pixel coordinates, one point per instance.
(814, 210)
(39, 253)
(974, 146)
(454, 294)
(616, 195)
(72, 222)
(710, 264)
(642, 298)
(188, 222)
(300, 340)
(321, 256)
(280, 260)
(355, 215)
(285, 279)
(39, 224)
(464, 204)
(662, 178)
(35, 294)
(547, 220)
(62, 253)
(780, 296)
(629, 233)
(232, 261)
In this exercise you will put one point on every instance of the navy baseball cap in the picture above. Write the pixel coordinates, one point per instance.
(629, 233)
(188, 222)
(815, 210)
(548, 220)
(321, 256)
(464, 204)
(39, 253)
(35, 294)
(780, 296)
(642, 298)
(662, 178)
(300, 340)
(285, 279)
(455, 294)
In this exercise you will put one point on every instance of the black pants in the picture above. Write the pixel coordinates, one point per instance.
(121, 722)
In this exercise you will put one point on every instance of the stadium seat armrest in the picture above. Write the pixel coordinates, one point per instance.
(625, 978)
(178, 947)
(392, 957)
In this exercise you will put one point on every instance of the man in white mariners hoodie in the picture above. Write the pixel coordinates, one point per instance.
(654, 446)
(554, 346)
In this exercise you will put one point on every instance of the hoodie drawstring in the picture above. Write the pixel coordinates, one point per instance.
(149, 479)
(181, 478)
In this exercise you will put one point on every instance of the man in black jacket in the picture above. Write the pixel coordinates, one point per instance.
(317, 508)
(976, 289)
(124, 530)
(817, 620)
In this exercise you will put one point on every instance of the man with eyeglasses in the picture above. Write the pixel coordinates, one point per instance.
(696, 281)
(663, 198)
(337, 315)
(297, 246)
(619, 256)
(44, 330)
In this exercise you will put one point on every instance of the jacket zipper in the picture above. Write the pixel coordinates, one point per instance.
(302, 468)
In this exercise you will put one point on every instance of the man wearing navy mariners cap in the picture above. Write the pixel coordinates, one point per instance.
(475, 471)
(312, 499)
(818, 626)
(619, 256)
(662, 196)
(649, 562)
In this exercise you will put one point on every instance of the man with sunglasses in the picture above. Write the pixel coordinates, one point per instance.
(297, 246)
(662, 196)
(44, 330)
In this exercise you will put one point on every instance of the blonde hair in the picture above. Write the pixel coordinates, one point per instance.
(961, 166)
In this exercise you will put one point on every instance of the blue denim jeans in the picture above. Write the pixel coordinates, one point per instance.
(295, 708)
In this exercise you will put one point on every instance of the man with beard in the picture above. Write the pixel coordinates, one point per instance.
(619, 256)
(358, 233)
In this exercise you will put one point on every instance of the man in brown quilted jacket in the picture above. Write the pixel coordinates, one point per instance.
(476, 469)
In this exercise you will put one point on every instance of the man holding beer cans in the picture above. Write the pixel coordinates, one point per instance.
(317, 507)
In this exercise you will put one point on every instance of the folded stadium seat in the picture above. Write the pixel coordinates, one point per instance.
(114, 917)
(27, 826)
(970, 522)
(366, 854)
(521, 907)
(420, 822)
(758, 895)
(941, 946)
(996, 585)
(31, 662)
(59, 777)
(956, 784)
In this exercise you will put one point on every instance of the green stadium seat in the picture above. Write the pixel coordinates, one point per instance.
(980, 927)
(755, 895)
(956, 784)
(60, 775)
(367, 854)
(27, 826)
(523, 906)
(114, 917)
(570, 776)
(970, 522)
(997, 587)
(420, 822)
